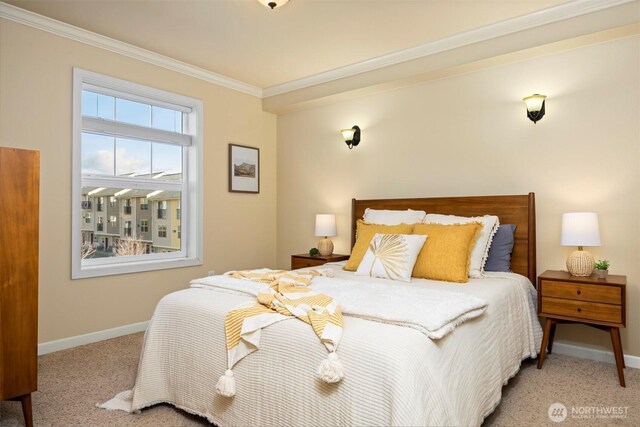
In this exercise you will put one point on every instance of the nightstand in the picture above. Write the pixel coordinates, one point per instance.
(306, 260)
(600, 303)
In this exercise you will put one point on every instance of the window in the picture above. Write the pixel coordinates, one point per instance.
(87, 217)
(162, 209)
(132, 142)
(127, 207)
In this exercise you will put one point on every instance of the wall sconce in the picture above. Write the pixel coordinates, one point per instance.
(272, 4)
(351, 136)
(535, 106)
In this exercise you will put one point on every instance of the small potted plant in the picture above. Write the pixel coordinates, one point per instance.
(602, 268)
(314, 252)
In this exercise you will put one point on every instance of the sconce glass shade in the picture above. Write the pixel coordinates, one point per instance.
(535, 106)
(580, 229)
(351, 136)
(534, 102)
(347, 134)
(274, 4)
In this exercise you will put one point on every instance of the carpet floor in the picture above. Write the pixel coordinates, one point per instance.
(71, 382)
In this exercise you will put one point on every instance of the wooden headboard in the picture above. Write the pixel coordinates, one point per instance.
(519, 210)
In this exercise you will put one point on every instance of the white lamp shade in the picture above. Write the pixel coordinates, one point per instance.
(580, 229)
(326, 225)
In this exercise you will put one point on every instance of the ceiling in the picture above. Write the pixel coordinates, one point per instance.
(244, 40)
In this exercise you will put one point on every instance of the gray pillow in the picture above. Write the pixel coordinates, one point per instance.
(499, 258)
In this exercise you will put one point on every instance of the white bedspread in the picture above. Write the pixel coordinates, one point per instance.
(396, 303)
(395, 375)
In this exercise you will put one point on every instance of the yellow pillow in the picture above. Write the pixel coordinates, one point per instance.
(364, 234)
(447, 251)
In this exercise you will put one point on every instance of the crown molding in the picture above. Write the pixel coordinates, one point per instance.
(550, 15)
(53, 26)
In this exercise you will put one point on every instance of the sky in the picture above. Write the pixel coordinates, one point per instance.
(108, 155)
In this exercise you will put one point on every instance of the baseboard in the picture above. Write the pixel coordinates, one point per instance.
(78, 340)
(594, 354)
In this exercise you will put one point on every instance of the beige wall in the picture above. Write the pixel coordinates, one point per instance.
(464, 135)
(35, 113)
(469, 135)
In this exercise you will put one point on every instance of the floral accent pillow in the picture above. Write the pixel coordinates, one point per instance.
(391, 256)
(364, 234)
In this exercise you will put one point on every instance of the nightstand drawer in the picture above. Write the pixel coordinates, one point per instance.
(582, 292)
(303, 263)
(582, 310)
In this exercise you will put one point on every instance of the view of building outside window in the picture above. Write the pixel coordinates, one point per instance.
(138, 221)
(131, 218)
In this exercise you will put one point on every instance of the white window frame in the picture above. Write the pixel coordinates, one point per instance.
(191, 188)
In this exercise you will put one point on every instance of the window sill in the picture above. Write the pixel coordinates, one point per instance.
(133, 267)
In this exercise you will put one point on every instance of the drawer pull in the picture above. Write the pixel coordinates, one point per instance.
(579, 310)
(579, 292)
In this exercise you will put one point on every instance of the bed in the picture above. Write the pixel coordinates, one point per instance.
(394, 375)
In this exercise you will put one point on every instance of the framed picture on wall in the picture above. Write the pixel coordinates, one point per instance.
(244, 169)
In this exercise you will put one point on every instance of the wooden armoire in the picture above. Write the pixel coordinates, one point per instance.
(19, 205)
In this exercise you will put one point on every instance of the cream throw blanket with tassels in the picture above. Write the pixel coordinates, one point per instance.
(286, 295)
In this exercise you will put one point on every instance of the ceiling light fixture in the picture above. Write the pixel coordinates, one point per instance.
(273, 4)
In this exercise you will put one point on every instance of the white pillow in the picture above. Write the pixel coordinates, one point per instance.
(480, 251)
(393, 217)
(391, 256)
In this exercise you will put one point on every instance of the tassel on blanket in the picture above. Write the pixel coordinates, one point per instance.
(226, 385)
(287, 294)
(331, 370)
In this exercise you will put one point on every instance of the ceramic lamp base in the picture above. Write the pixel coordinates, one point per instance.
(580, 263)
(325, 246)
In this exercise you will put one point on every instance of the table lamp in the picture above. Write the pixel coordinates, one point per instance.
(325, 227)
(580, 229)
